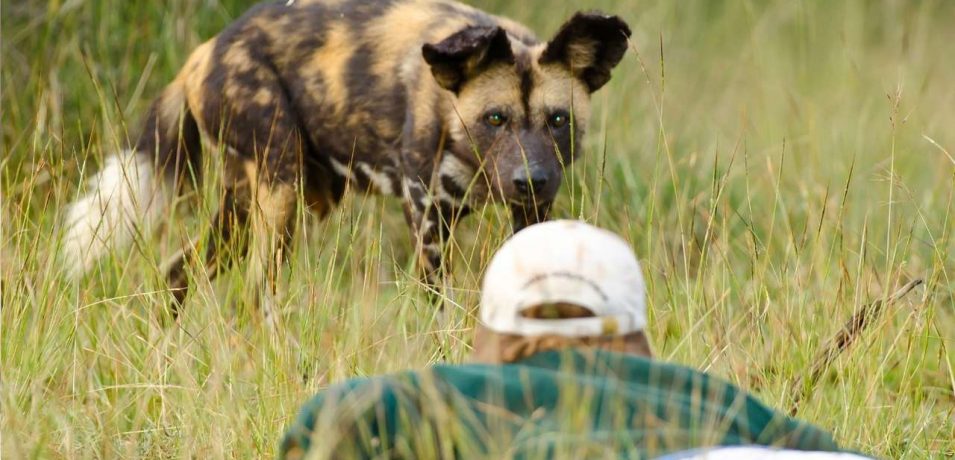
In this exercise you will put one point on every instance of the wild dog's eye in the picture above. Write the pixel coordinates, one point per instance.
(558, 119)
(495, 118)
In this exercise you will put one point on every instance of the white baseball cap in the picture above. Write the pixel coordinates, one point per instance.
(570, 262)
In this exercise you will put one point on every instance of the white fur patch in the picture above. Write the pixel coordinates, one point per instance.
(460, 173)
(123, 200)
(343, 170)
(426, 226)
(380, 180)
(457, 170)
(407, 184)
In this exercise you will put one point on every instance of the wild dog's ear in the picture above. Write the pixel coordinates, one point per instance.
(466, 53)
(590, 44)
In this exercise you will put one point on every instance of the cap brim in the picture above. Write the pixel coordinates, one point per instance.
(595, 326)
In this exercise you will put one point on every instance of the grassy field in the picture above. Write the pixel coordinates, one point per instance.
(775, 164)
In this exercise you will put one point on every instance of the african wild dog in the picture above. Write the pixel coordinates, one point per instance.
(433, 101)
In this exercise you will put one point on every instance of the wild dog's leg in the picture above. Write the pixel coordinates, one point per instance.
(431, 227)
(268, 208)
(421, 143)
(431, 212)
(223, 245)
(246, 103)
(426, 230)
(273, 223)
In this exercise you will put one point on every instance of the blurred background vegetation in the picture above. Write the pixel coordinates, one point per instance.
(775, 163)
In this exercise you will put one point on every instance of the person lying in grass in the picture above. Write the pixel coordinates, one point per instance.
(562, 369)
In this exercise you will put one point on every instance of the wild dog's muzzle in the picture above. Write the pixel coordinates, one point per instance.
(533, 190)
(528, 169)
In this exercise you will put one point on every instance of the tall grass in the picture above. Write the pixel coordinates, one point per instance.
(775, 164)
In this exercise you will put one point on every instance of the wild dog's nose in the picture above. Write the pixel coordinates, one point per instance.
(529, 181)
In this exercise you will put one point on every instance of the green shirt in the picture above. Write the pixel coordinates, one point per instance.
(570, 404)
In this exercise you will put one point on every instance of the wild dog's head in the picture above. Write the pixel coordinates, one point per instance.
(521, 109)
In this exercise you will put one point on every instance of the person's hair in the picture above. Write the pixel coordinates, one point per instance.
(494, 347)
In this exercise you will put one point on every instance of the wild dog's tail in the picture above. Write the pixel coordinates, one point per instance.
(135, 187)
